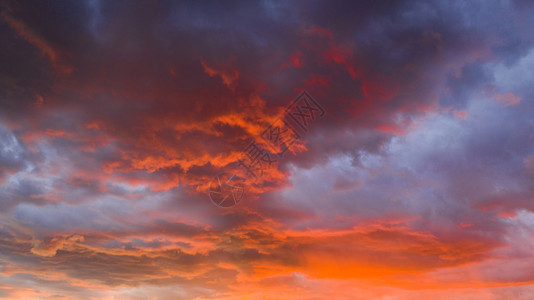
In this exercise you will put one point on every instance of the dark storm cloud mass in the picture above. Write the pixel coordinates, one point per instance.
(137, 70)
(114, 116)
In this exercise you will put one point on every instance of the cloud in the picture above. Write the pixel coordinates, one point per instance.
(415, 184)
(39, 42)
(50, 247)
(508, 99)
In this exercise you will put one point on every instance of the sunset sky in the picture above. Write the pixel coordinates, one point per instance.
(416, 183)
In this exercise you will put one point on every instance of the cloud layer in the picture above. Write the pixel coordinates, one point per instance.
(417, 182)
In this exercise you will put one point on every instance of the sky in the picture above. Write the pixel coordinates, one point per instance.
(416, 183)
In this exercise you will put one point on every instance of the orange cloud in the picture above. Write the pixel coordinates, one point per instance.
(508, 99)
(39, 42)
(229, 77)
